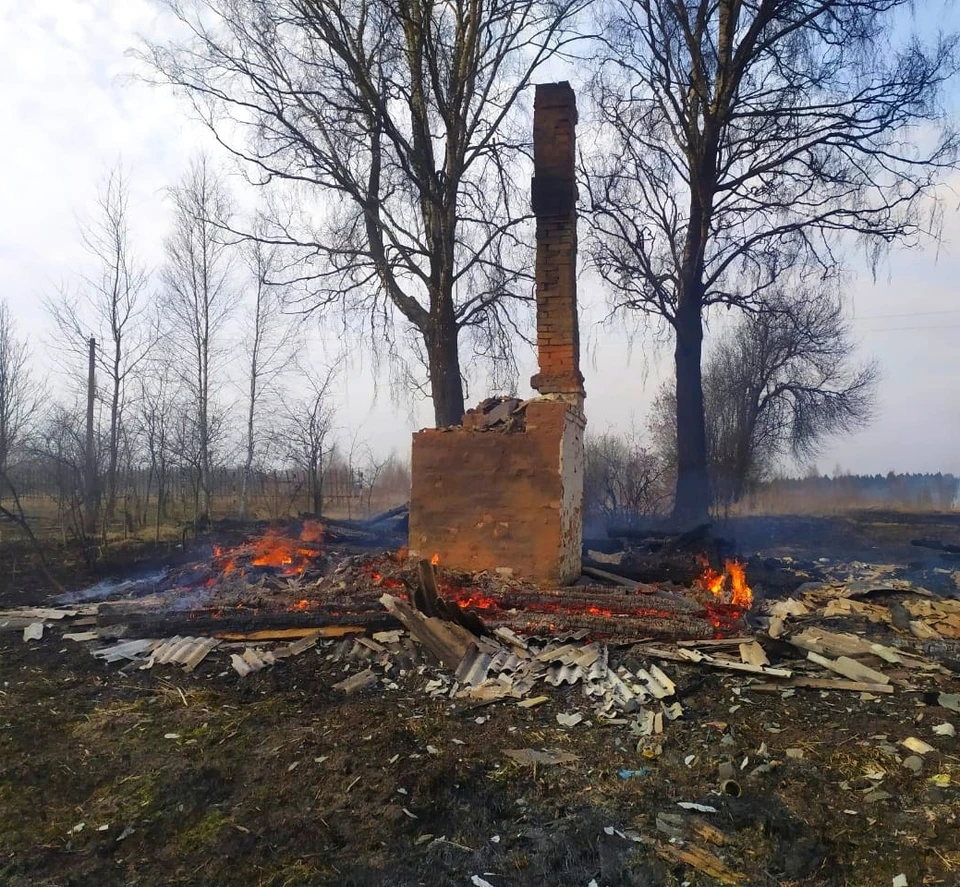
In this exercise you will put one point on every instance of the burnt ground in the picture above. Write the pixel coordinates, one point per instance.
(277, 779)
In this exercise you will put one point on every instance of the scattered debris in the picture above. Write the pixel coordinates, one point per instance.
(357, 682)
(702, 860)
(917, 745)
(700, 808)
(547, 756)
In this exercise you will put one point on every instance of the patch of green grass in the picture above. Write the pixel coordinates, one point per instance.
(294, 874)
(202, 835)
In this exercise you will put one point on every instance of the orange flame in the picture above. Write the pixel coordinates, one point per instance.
(435, 559)
(273, 549)
(730, 586)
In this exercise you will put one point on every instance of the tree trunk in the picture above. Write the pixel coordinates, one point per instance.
(114, 456)
(446, 385)
(692, 501)
(248, 464)
(317, 481)
(91, 499)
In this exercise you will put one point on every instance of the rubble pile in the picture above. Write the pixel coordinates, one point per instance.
(455, 637)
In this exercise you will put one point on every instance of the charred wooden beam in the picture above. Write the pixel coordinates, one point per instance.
(164, 623)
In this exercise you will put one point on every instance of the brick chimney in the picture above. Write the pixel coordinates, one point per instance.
(554, 198)
(504, 491)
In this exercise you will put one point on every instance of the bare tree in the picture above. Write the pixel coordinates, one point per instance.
(60, 447)
(20, 394)
(741, 138)
(308, 431)
(197, 300)
(269, 343)
(779, 385)
(112, 306)
(407, 115)
(155, 421)
(622, 479)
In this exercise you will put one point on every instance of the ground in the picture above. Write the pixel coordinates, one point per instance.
(160, 777)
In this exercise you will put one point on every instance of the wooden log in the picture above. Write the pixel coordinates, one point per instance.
(824, 684)
(596, 573)
(849, 668)
(613, 628)
(702, 860)
(290, 634)
(446, 640)
(166, 623)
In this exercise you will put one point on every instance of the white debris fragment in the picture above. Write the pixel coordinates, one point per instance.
(477, 881)
(918, 746)
(571, 720)
(171, 735)
(700, 808)
(900, 880)
(33, 631)
(944, 730)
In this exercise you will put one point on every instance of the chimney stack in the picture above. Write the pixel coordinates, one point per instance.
(554, 199)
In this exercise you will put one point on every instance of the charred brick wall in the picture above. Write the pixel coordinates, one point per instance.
(484, 500)
(554, 199)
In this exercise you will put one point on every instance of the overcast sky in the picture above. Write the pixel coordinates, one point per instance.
(68, 110)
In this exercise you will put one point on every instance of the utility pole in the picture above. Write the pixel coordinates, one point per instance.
(91, 492)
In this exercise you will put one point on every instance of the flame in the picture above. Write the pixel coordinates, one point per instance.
(472, 597)
(730, 586)
(312, 531)
(273, 549)
(435, 559)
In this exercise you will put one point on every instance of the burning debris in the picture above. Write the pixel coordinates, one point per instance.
(485, 638)
(729, 586)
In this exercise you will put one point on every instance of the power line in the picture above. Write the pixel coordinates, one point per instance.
(908, 329)
(905, 314)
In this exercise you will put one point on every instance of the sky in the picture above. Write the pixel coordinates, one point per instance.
(70, 108)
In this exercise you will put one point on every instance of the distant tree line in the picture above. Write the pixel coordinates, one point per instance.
(181, 392)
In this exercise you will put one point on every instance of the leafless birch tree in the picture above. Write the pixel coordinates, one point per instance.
(112, 305)
(743, 138)
(308, 430)
(269, 345)
(20, 394)
(198, 296)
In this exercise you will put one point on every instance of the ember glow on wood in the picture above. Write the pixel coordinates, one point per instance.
(504, 491)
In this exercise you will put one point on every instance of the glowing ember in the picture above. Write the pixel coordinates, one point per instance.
(273, 549)
(472, 597)
(435, 559)
(730, 586)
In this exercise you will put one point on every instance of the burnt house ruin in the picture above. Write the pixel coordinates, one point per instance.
(504, 491)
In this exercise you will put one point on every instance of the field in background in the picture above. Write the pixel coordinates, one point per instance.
(846, 492)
